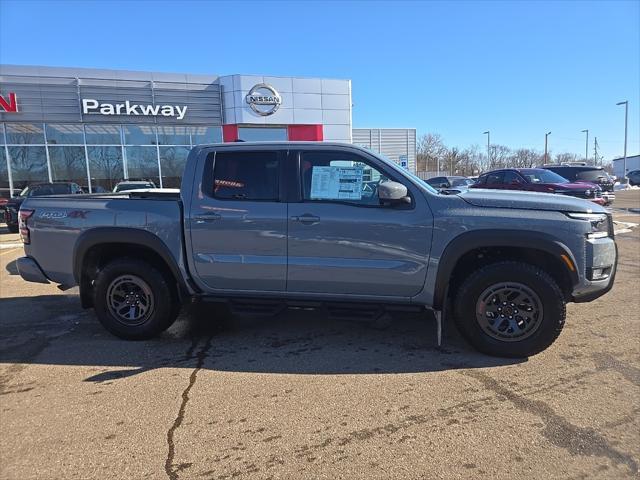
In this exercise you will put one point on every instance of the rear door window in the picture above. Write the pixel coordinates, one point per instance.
(246, 176)
(495, 178)
(512, 178)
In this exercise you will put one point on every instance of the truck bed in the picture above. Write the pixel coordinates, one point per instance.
(58, 223)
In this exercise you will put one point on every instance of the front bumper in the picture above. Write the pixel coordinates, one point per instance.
(30, 270)
(608, 197)
(601, 253)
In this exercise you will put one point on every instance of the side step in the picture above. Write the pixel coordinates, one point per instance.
(365, 312)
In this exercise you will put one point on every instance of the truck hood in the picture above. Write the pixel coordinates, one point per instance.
(528, 200)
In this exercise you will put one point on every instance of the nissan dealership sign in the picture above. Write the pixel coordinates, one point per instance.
(9, 104)
(263, 99)
(92, 106)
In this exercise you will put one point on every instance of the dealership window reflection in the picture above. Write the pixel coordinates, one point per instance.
(142, 163)
(112, 152)
(105, 165)
(173, 161)
(139, 134)
(4, 172)
(68, 164)
(64, 135)
(28, 165)
(24, 133)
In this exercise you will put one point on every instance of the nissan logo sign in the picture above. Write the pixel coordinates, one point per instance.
(263, 99)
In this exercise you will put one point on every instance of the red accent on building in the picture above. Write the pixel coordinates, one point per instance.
(305, 132)
(229, 133)
(11, 105)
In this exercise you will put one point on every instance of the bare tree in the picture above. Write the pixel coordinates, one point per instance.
(430, 152)
(525, 157)
(566, 158)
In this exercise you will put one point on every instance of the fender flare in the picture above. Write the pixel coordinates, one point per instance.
(474, 239)
(111, 235)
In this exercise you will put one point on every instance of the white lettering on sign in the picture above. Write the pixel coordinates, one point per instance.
(89, 106)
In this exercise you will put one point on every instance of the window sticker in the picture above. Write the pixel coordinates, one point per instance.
(336, 183)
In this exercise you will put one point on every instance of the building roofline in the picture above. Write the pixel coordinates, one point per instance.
(116, 73)
(628, 157)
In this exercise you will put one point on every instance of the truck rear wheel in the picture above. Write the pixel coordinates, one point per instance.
(510, 309)
(134, 300)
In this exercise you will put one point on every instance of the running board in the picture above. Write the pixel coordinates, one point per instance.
(257, 307)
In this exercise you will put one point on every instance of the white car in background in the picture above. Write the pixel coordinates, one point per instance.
(134, 185)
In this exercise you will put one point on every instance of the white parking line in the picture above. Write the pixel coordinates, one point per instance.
(9, 245)
(625, 224)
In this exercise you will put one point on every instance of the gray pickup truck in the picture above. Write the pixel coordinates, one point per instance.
(259, 227)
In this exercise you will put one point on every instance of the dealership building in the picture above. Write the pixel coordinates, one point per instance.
(97, 127)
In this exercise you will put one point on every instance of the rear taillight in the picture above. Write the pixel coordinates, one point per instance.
(23, 218)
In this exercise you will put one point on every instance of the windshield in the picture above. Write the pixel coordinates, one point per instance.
(398, 168)
(47, 189)
(543, 176)
(592, 176)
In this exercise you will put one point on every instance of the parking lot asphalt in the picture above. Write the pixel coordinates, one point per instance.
(300, 396)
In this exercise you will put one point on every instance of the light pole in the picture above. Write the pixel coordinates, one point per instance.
(626, 119)
(488, 134)
(586, 146)
(546, 159)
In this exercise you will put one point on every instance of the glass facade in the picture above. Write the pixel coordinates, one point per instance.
(98, 156)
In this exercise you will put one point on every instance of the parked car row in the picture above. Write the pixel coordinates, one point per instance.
(539, 180)
(590, 183)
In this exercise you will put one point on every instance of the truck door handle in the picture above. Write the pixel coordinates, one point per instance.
(207, 217)
(306, 218)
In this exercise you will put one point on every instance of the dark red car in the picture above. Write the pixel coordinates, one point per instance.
(538, 180)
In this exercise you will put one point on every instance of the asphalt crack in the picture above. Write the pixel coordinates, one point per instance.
(558, 430)
(172, 470)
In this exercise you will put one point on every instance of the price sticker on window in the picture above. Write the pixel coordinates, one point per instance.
(336, 183)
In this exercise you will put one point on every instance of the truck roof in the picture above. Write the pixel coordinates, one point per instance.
(278, 143)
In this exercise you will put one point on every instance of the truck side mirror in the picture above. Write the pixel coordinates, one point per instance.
(393, 193)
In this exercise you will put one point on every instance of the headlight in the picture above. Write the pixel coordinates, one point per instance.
(599, 223)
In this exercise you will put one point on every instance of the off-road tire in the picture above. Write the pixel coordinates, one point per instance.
(165, 306)
(537, 280)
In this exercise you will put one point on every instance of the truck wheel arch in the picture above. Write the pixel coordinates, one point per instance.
(468, 242)
(110, 236)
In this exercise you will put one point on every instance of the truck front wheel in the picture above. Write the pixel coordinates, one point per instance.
(134, 300)
(510, 309)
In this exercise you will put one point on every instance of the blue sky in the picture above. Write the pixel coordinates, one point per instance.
(519, 69)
